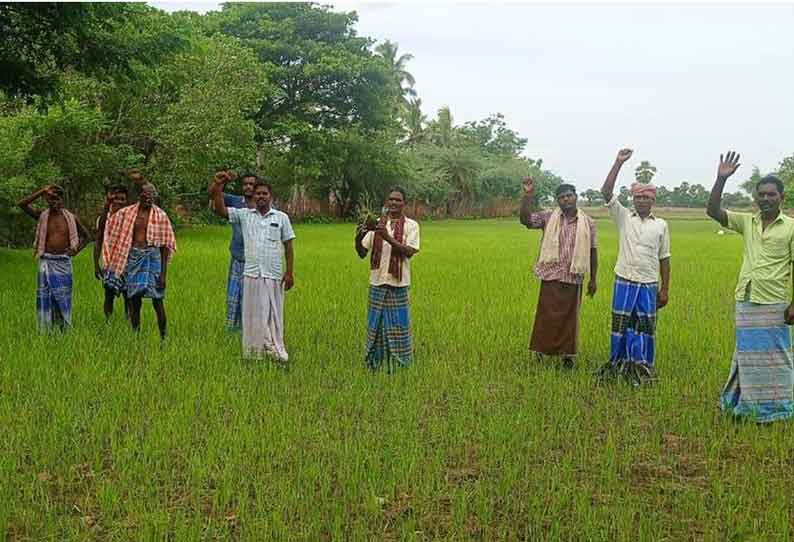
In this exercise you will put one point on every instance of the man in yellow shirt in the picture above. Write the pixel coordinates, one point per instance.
(761, 382)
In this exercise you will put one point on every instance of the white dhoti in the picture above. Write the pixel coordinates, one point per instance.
(263, 318)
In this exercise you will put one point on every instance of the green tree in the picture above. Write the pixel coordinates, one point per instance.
(360, 164)
(415, 121)
(785, 172)
(644, 172)
(209, 126)
(442, 130)
(593, 197)
(737, 200)
(403, 80)
(58, 143)
(698, 196)
(749, 184)
(323, 75)
(42, 40)
(493, 135)
(663, 196)
(624, 195)
(325, 84)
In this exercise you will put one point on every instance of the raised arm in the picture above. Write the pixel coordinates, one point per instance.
(25, 202)
(728, 166)
(608, 188)
(525, 212)
(216, 194)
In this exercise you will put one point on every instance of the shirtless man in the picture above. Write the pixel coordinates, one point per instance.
(139, 244)
(59, 237)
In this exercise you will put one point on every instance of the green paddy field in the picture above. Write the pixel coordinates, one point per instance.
(108, 436)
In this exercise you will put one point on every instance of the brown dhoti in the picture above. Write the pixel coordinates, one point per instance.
(556, 327)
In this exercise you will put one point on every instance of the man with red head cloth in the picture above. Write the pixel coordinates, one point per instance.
(643, 259)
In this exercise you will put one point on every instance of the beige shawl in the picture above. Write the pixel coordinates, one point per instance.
(550, 245)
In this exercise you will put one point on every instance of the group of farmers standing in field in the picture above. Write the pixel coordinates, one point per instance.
(134, 243)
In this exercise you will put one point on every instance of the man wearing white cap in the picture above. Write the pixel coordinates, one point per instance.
(643, 258)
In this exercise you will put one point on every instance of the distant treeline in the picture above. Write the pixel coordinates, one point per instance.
(290, 91)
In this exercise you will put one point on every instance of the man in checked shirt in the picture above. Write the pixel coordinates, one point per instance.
(567, 254)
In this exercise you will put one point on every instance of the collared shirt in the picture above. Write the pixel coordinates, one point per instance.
(381, 276)
(561, 269)
(642, 243)
(236, 245)
(768, 254)
(263, 238)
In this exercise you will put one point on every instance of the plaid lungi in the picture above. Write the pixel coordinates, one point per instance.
(761, 382)
(234, 296)
(633, 322)
(389, 328)
(54, 291)
(143, 269)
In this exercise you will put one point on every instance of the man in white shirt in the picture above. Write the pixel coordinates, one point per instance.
(392, 242)
(643, 257)
(266, 233)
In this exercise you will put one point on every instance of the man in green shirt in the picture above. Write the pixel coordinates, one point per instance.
(761, 382)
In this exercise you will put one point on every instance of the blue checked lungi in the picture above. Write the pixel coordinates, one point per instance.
(143, 269)
(114, 282)
(633, 322)
(389, 328)
(761, 382)
(54, 291)
(234, 296)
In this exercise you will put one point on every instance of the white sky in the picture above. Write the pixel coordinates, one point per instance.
(679, 83)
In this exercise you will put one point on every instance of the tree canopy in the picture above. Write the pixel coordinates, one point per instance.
(289, 90)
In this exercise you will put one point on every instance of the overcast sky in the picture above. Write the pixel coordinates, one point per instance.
(678, 83)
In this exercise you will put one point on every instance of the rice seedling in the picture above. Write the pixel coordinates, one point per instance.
(109, 436)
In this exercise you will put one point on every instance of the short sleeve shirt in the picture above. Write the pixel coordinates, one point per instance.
(236, 245)
(263, 240)
(381, 275)
(768, 254)
(642, 243)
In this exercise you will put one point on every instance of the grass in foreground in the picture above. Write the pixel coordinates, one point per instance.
(106, 436)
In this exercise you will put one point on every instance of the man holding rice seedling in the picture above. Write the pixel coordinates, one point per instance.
(760, 385)
(59, 236)
(392, 240)
(568, 253)
(116, 198)
(234, 283)
(138, 247)
(643, 257)
(266, 232)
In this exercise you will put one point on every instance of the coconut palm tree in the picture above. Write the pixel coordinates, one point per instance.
(442, 128)
(403, 78)
(414, 120)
